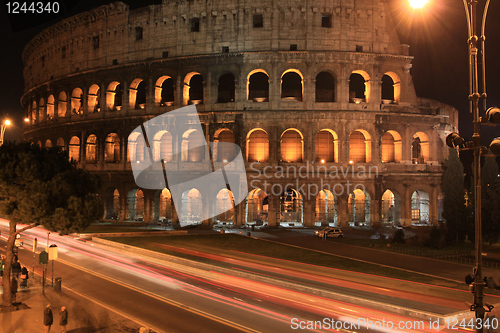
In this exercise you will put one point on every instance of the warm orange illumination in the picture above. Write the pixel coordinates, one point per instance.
(418, 3)
(322, 161)
(26, 120)
(7, 122)
(351, 162)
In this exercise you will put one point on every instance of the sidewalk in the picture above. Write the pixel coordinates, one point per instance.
(84, 316)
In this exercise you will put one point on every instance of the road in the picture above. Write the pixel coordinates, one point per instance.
(174, 298)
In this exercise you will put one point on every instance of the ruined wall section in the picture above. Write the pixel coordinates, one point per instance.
(111, 35)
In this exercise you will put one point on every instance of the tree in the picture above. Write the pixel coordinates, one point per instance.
(454, 209)
(42, 187)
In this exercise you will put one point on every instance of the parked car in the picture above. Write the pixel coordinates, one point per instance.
(329, 232)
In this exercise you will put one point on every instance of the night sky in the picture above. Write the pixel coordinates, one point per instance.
(436, 34)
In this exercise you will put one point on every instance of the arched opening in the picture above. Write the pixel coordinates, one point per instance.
(136, 147)
(137, 94)
(391, 208)
(359, 87)
(60, 143)
(112, 148)
(224, 206)
(290, 208)
(77, 101)
(391, 147)
(258, 86)
(224, 148)
(74, 149)
(162, 206)
(326, 209)
(391, 88)
(193, 89)
(114, 96)
(34, 112)
(62, 103)
(135, 204)
(91, 149)
(420, 208)
(48, 144)
(359, 147)
(440, 207)
(192, 207)
(193, 146)
(257, 146)
(94, 99)
(420, 148)
(292, 146)
(50, 107)
(162, 146)
(226, 88)
(326, 146)
(325, 87)
(41, 109)
(257, 208)
(359, 204)
(112, 204)
(291, 86)
(164, 91)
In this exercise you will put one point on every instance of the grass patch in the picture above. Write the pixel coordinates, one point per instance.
(228, 242)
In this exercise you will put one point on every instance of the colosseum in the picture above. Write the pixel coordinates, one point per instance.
(318, 96)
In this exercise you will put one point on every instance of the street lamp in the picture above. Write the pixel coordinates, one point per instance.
(2, 129)
(477, 92)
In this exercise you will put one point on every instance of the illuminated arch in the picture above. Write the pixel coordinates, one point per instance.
(163, 146)
(420, 148)
(291, 207)
(112, 148)
(164, 91)
(391, 208)
(135, 204)
(94, 99)
(193, 89)
(41, 109)
(136, 147)
(62, 104)
(391, 88)
(257, 206)
(326, 146)
(224, 206)
(224, 147)
(292, 87)
(258, 86)
(192, 207)
(114, 96)
(74, 149)
(76, 101)
(257, 145)
(193, 146)
(60, 143)
(359, 87)
(326, 208)
(392, 147)
(34, 112)
(359, 204)
(48, 144)
(360, 147)
(112, 204)
(420, 207)
(137, 94)
(163, 207)
(292, 145)
(91, 149)
(50, 107)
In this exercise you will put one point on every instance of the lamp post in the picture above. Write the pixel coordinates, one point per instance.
(2, 130)
(477, 92)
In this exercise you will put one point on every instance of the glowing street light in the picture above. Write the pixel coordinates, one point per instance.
(417, 4)
(2, 130)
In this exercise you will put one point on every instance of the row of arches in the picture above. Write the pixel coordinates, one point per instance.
(193, 92)
(257, 210)
(292, 147)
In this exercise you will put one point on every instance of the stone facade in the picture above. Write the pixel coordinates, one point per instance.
(318, 96)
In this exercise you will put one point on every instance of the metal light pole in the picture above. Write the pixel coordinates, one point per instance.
(3, 126)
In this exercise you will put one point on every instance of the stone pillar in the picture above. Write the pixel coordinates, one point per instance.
(342, 214)
(309, 202)
(406, 207)
(273, 218)
(433, 205)
(148, 206)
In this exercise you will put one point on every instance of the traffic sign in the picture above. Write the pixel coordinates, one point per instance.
(43, 258)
